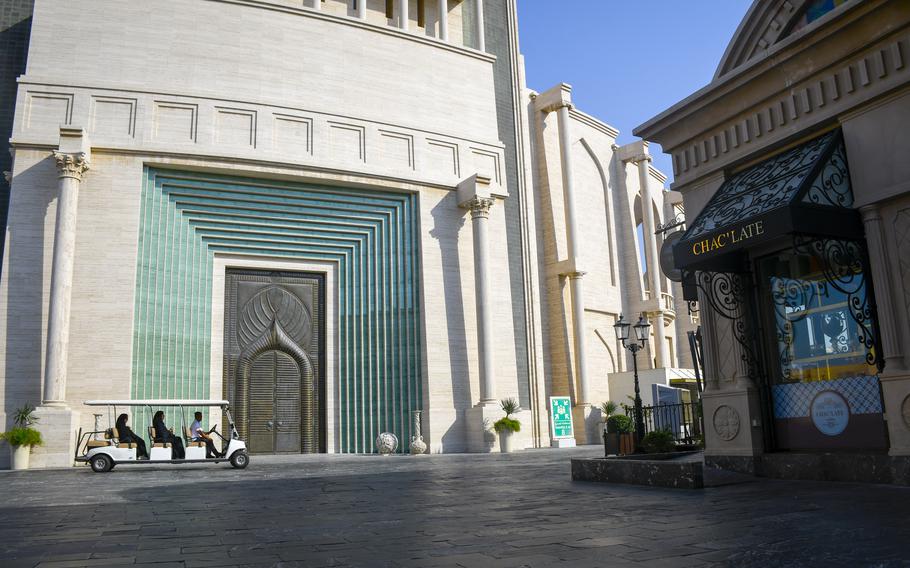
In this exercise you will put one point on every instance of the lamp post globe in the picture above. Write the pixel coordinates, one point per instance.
(621, 327)
(642, 329)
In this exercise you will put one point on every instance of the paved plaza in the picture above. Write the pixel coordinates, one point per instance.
(442, 510)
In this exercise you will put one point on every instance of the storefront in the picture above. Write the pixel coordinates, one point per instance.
(783, 237)
(792, 167)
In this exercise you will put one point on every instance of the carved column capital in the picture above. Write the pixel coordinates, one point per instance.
(8, 176)
(574, 275)
(479, 207)
(71, 165)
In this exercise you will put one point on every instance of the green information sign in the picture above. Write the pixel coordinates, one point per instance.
(561, 416)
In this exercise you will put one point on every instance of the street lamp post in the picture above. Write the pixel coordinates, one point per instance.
(642, 329)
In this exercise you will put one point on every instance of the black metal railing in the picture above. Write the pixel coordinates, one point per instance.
(683, 420)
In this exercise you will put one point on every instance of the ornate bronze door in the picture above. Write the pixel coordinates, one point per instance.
(273, 359)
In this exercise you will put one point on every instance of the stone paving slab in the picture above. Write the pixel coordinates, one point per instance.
(509, 511)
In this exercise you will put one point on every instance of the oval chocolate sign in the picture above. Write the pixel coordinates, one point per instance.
(830, 413)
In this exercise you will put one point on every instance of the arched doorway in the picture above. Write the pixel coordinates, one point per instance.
(274, 359)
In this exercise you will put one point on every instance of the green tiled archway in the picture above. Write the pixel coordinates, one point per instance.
(188, 217)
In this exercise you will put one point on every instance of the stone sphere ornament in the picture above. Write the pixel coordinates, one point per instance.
(386, 443)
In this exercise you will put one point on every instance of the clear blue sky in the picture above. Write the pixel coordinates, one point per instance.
(627, 60)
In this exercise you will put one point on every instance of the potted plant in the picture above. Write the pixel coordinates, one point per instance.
(618, 437)
(611, 439)
(507, 425)
(22, 437)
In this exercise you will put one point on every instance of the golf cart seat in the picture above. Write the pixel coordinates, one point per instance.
(107, 441)
(157, 444)
(128, 445)
(189, 440)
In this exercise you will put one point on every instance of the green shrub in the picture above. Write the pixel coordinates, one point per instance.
(607, 408)
(658, 442)
(23, 437)
(619, 424)
(509, 406)
(507, 425)
(25, 416)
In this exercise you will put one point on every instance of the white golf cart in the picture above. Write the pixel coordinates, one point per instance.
(103, 449)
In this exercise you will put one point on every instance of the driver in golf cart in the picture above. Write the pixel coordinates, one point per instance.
(198, 434)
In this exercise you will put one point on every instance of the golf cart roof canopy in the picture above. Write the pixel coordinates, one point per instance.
(157, 402)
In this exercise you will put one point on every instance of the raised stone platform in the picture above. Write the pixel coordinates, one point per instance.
(864, 468)
(681, 470)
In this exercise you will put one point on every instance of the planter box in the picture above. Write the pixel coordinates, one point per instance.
(618, 444)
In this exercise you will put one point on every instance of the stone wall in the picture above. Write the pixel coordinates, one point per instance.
(15, 26)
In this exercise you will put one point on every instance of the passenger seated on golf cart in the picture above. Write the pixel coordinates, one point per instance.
(125, 435)
(162, 435)
(197, 435)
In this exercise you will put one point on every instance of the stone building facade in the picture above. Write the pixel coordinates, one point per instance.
(792, 167)
(358, 204)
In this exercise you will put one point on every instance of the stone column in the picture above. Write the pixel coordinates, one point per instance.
(71, 168)
(362, 9)
(57, 421)
(568, 190)
(403, 14)
(895, 378)
(474, 195)
(878, 258)
(478, 25)
(558, 99)
(443, 6)
(480, 214)
(653, 267)
(316, 4)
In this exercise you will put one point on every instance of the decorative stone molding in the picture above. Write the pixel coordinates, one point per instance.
(480, 207)
(905, 411)
(8, 176)
(576, 274)
(554, 99)
(726, 422)
(835, 89)
(763, 27)
(71, 165)
(901, 231)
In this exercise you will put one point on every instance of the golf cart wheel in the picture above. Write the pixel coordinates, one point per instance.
(101, 463)
(240, 459)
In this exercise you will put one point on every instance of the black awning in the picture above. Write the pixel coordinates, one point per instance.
(803, 190)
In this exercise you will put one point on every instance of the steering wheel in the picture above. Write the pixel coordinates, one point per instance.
(215, 427)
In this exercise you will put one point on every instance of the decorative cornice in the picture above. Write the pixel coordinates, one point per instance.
(594, 123)
(806, 103)
(777, 100)
(71, 165)
(479, 207)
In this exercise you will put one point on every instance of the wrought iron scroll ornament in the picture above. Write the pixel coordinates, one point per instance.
(677, 221)
(762, 188)
(845, 266)
(791, 299)
(726, 292)
(832, 186)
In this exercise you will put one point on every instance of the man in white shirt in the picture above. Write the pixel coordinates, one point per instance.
(199, 434)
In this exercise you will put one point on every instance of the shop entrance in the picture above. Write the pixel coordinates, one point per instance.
(273, 359)
(820, 355)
